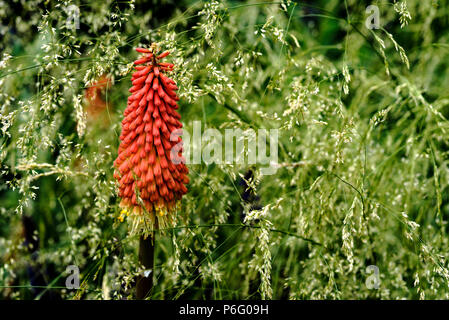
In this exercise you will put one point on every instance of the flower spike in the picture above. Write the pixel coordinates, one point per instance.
(151, 182)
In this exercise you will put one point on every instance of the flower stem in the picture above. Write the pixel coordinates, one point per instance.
(146, 258)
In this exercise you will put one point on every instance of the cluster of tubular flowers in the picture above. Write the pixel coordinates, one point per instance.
(151, 184)
(93, 95)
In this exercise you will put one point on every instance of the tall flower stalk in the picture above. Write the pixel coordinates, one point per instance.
(150, 168)
(151, 182)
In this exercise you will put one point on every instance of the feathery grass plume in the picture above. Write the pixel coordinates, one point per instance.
(150, 183)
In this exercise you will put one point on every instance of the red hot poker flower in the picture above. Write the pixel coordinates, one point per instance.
(150, 183)
(93, 94)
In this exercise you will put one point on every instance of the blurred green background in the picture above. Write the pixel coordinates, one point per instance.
(362, 174)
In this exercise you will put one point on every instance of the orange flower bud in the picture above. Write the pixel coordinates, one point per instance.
(150, 184)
